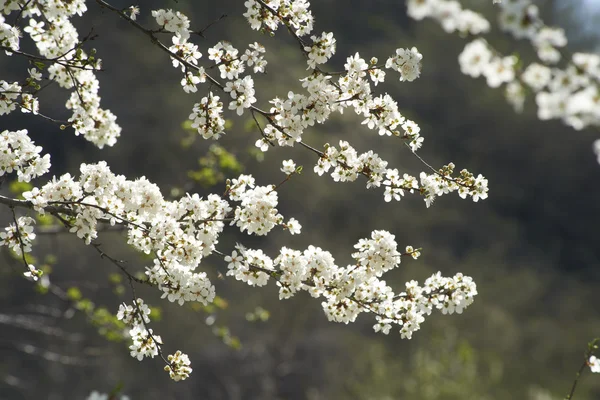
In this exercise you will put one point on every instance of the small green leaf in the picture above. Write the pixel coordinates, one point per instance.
(74, 293)
(115, 277)
(155, 313)
(18, 188)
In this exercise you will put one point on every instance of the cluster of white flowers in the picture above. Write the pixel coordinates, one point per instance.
(186, 51)
(137, 314)
(174, 22)
(179, 284)
(190, 80)
(570, 93)
(9, 93)
(95, 395)
(18, 237)
(465, 183)
(257, 212)
(207, 117)
(349, 291)
(242, 93)
(407, 62)
(348, 165)
(9, 35)
(226, 57)
(254, 57)
(58, 43)
(19, 153)
(251, 266)
(145, 343)
(477, 59)
(450, 14)
(179, 366)
(296, 13)
(323, 47)
(521, 19)
(180, 232)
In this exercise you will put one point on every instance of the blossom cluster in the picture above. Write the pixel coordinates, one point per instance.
(407, 63)
(95, 395)
(207, 117)
(59, 47)
(569, 93)
(477, 60)
(19, 237)
(179, 366)
(174, 22)
(226, 57)
(521, 19)
(296, 13)
(179, 233)
(347, 165)
(289, 117)
(357, 288)
(19, 153)
(9, 35)
(450, 14)
(145, 343)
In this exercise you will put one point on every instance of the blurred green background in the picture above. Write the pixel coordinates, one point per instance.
(531, 247)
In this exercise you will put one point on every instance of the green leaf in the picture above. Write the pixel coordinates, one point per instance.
(74, 293)
(115, 277)
(18, 188)
(44, 220)
(155, 313)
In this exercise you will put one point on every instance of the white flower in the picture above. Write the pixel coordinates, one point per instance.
(594, 364)
(293, 226)
(499, 71)
(475, 58)
(289, 167)
(536, 76)
(407, 62)
(32, 273)
(134, 12)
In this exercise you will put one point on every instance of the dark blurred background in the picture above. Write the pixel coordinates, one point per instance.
(531, 247)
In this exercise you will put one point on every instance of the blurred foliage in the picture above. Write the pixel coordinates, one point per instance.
(215, 166)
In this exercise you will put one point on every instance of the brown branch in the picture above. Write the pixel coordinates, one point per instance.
(592, 346)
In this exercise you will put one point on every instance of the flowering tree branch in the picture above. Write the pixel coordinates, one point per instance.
(180, 233)
(589, 361)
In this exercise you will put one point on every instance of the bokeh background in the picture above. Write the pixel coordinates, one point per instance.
(532, 247)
